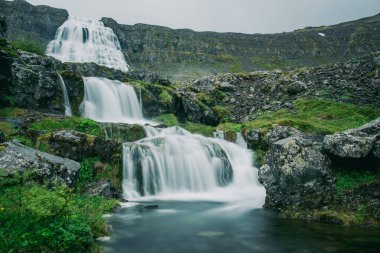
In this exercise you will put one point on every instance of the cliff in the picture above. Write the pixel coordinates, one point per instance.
(26, 21)
(185, 54)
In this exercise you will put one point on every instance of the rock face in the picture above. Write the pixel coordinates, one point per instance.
(184, 54)
(102, 188)
(15, 157)
(77, 146)
(29, 22)
(354, 143)
(3, 26)
(295, 170)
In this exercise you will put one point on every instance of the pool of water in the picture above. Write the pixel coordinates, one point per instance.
(213, 227)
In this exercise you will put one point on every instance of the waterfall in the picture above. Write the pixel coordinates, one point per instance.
(175, 164)
(87, 40)
(240, 141)
(66, 100)
(110, 101)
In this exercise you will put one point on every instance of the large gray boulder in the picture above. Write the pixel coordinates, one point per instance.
(15, 157)
(354, 143)
(295, 169)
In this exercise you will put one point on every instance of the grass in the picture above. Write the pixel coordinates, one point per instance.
(167, 119)
(83, 125)
(230, 127)
(317, 116)
(165, 98)
(346, 180)
(204, 130)
(30, 45)
(12, 112)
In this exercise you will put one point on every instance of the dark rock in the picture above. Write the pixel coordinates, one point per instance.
(281, 132)
(2, 137)
(77, 146)
(196, 113)
(376, 150)
(295, 169)
(122, 132)
(101, 188)
(15, 157)
(3, 26)
(296, 87)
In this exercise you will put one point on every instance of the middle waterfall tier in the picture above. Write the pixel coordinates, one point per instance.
(110, 101)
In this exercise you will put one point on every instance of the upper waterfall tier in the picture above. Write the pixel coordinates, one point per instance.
(87, 40)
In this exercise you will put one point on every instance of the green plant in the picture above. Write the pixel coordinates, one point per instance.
(222, 113)
(165, 98)
(167, 119)
(30, 45)
(12, 112)
(195, 128)
(346, 180)
(230, 127)
(34, 218)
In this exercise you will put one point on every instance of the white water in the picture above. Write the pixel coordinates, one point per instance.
(87, 40)
(110, 101)
(174, 164)
(66, 99)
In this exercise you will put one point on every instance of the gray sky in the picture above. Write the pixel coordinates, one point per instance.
(247, 16)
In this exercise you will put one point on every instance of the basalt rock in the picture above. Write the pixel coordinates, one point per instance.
(295, 170)
(15, 158)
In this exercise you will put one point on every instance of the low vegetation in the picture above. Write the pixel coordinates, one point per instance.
(313, 116)
(35, 218)
(167, 119)
(30, 45)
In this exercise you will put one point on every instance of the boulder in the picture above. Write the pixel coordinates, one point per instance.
(281, 132)
(347, 145)
(295, 170)
(227, 87)
(101, 188)
(77, 146)
(296, 87)
(15, 157)
(354, 143)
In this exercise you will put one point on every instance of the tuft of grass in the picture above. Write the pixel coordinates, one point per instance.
(30, 45)
(346, 180)
(12, 112)
(167, 119)
(225, 127)
(165, 98)
(83, 125)
(222, 113)
(195, 128)
(317, 116)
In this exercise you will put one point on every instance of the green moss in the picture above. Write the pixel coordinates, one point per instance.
(167, 119)
(205, 98)
(229, 127)
(8, 129)
(165, 98)
(12, 112)
(195, 128)
(30, 45)
(87, 126)
(222, 113)
(317, 116)
(24, 140)
(8, 48)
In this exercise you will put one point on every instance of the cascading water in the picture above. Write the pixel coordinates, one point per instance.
(66, 104)
(87, 40)
(175, 164)
(110, 101)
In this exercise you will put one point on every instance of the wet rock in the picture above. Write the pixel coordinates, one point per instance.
(101, 188)
(15, 157)
(295, 169)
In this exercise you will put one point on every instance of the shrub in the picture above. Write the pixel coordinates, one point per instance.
(165, 98)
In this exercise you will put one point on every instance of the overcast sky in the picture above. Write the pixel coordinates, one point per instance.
(247, 16)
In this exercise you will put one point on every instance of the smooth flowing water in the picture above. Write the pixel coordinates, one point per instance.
(87, 40)
(207, 227)
(66, 99)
